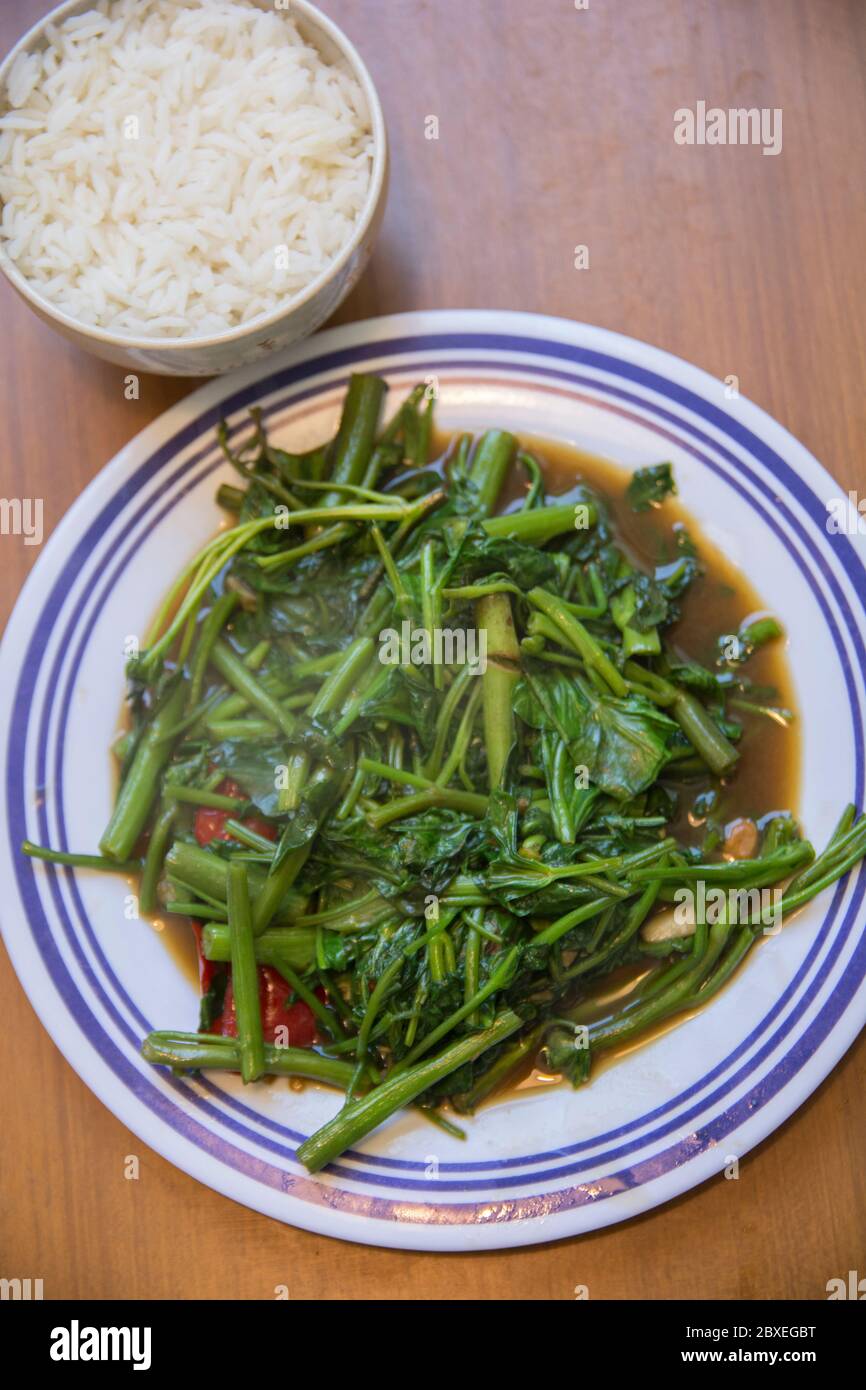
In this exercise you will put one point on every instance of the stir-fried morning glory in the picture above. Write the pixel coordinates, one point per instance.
(412, 746)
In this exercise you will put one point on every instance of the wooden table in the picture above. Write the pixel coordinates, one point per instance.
(556, 130)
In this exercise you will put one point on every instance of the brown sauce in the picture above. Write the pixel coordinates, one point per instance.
(178, 939)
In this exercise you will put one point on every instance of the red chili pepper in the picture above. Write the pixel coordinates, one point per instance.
(297, 1018)
(206, 968)
(210, 824)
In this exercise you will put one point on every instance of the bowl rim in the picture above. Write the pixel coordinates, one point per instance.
(317, 20)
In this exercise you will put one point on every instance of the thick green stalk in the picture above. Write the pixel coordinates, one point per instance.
(220, 729)
(206, 1051)
(559, 768)
(417, 802)
(157, 846)
(496, 623)
(576, 634)
(199, 796)
(239, 676)
(396, 424)
(472, 962)
(353, 1122)
(356, 436)
(207, 874)
(493, 456)
(431, 603)
(203, 911)
(393, 774)
(332, 693)
(768, 868)
(80, 861)
(294, 947)
(570, 919)
(275, 887)
(342, 679)
(539, 526)
(703, 733)
(139, 787)
(245, 976)
(210, 631)
(231, 705)
(315, 666)
(352, 709)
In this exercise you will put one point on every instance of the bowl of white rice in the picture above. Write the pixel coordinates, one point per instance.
(187, 185)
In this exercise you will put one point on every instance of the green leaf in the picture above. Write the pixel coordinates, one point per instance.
(211, 1005)
(622, 743)
(525, 565)
(419, 856)
(568, 1052)
(650, 486)
(253, 765)
(651, 606)
(403, 699)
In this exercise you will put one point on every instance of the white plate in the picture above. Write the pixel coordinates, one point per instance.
(541, 1165)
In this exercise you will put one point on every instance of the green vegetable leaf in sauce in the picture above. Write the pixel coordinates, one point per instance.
(650, 486)
(621, 742)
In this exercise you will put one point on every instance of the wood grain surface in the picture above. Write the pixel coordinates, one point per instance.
(556, 130)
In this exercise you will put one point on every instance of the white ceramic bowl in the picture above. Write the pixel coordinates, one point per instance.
(302, 313)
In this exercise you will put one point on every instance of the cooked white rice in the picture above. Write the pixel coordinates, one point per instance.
(175, 168)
